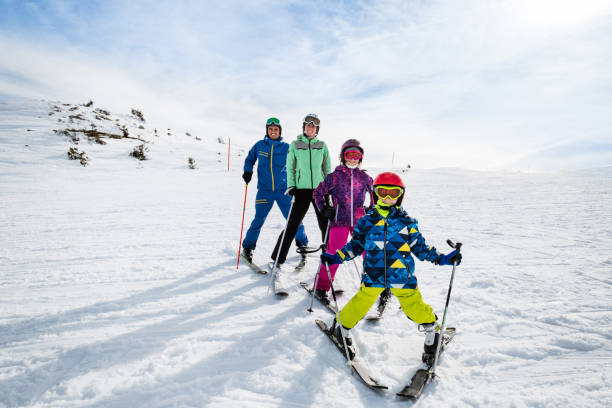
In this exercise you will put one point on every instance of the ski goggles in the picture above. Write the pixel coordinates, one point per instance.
(273, 122)
(312, 119)
(352, 155)
(392, 192)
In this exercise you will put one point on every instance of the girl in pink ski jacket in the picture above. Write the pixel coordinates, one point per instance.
(348, 186)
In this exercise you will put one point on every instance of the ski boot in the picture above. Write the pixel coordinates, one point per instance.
(321, 294)
(279, 267)
(336, 331)
(248, 254)
(432, 337)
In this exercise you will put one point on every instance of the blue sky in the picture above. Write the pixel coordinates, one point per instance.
(475, 84)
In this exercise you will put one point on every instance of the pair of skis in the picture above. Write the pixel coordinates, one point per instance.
(413, 389)
(423, 375)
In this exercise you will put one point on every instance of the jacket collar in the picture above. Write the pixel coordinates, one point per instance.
(344, 169)
(269, 139)
(304, 138)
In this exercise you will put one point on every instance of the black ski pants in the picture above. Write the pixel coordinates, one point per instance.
(302, 200)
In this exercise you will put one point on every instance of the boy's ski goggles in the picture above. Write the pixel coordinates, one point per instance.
(273, 122)
(392, 192)
(352, 155)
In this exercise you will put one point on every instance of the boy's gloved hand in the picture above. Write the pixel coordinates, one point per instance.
(328, 212)
(448, 259)
(290, 191)
(331, 259)
(246, 176)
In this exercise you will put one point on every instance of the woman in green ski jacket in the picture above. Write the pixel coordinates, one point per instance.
(308, 163)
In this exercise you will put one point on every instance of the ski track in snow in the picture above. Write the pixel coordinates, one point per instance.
(119, 285)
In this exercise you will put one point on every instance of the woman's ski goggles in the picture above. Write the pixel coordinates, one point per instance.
(392, 192)
(353, 155)
(312, 119)
(273, 122)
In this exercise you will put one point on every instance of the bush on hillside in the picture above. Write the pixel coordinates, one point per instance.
(139, 152)
(75, 154)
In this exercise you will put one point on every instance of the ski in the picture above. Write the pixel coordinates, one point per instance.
(279, 288)
(423, 375)
(301, 265)
(362, 371)
(254, 267)
(324, 302)
(380, 309)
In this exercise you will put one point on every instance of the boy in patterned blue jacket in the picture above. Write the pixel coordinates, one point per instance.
(390, 239)
(271, 152)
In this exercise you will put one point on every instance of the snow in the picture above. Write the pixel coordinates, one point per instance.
(119, 284)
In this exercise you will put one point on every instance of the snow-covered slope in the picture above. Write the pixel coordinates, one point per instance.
(119, 284)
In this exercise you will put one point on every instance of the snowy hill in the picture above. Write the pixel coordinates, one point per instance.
(119, 284)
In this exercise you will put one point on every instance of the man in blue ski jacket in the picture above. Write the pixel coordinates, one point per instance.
(271, 154)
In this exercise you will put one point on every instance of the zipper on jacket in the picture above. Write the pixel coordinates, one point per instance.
(271, 168)
(310, 154)
(385, 251)
(351, 197)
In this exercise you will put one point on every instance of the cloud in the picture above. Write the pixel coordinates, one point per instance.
(468, 84)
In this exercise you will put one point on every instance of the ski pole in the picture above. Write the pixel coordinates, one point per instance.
(282, 241)
(331, 284)
(314, 286)
(432, 371)
(246, 186)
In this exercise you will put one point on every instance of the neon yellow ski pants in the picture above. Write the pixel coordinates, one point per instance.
(410, 300)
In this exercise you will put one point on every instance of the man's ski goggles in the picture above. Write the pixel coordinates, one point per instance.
(312, 119)
(273, 122)
(392, 192)
(352, 155)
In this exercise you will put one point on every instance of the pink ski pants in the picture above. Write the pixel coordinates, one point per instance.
(336, 240)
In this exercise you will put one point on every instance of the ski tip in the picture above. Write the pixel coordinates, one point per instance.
(322, 325)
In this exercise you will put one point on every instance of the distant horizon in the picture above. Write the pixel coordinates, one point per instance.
(478, 85)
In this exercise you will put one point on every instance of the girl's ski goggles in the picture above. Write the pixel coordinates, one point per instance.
(352, 155)
(392, 192)
(273, 122)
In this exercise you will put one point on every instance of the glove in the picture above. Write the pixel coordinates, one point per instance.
(331, 259)
(246, 176)
(290, 191)
(328, 212)
(450, 258)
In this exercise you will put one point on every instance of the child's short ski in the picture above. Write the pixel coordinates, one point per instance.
(380, 309)
(423, 375)
(359, 368)
(253, 266)
(324, 302)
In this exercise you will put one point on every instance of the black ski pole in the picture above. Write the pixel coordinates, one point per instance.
(432, 371)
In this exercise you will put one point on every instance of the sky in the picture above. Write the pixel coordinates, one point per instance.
(475, 84)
